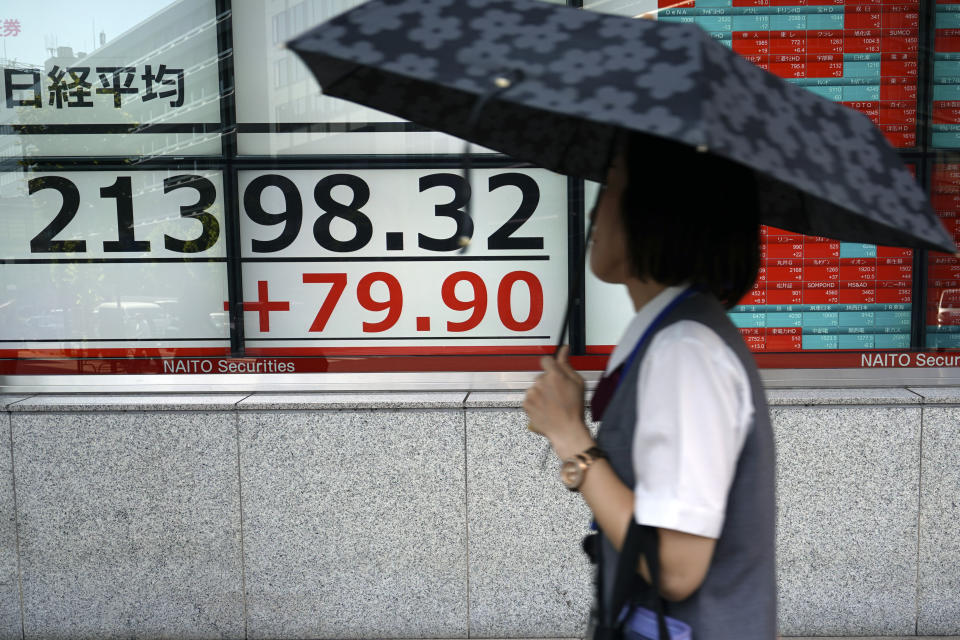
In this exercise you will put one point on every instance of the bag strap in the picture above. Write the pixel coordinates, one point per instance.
(640, 540)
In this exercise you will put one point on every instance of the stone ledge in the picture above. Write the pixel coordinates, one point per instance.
(128, 402)
(494, 400)
(294, 401)
(334, 401)
(425, 400)
(775, 397)
(6, 400)
(809, 397)
(938, 395)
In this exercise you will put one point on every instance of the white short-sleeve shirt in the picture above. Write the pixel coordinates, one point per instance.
(694, 407)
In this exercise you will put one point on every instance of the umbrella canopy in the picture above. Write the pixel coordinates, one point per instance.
(556, 85)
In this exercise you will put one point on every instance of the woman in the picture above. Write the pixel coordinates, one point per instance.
(685, 444)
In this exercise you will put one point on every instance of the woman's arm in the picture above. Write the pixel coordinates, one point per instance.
(555, 407)
(684, 557)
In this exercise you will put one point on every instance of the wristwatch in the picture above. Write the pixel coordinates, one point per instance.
(573, 470)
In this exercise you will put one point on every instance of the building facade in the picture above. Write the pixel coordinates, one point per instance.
(254, 389)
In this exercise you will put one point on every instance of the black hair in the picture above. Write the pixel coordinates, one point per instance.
(690, 217)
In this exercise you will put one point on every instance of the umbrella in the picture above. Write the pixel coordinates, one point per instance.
(555, 86)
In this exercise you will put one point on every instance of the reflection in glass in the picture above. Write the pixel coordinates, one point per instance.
(862, 55)
(943, 270)
(945, 125)
(109, 259)
(812, 294)
(280, 107)
(136, 80)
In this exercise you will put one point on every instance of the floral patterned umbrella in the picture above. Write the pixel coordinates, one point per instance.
(554, 85)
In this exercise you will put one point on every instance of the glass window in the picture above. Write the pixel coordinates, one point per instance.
(943, 270)
(113, 263)
(138, 81)
(154, 207)
(818, 294)
(861, 54)
(945, 128)
(812, 294)
(367, 261)
(267, 126)
(361, 258)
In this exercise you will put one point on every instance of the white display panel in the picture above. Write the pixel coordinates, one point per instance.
(367, 261)
(113, 260)
(280, 107)
(608, 307)
(632, 8)
(149, 87)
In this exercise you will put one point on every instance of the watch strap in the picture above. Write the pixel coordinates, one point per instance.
(594, 453)
(585, 459)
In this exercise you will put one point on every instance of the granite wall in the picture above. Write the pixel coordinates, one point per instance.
(428, 515)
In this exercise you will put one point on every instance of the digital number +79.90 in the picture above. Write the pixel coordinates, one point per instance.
(476, 303)
(292, 216)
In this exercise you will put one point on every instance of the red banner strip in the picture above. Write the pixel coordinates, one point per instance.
(426, 363)
(123, 352)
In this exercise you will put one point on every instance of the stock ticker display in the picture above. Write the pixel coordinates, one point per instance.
(862, 53)
(945, 125)
(943, 270)
(818, 293)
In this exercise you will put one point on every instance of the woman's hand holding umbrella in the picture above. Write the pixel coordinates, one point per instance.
(554, 405)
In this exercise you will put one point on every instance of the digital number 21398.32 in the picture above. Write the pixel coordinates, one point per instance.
(291, 217)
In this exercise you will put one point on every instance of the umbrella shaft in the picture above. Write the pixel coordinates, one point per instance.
(572, 293)
(500, 84)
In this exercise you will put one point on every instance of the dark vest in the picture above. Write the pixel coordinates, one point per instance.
(737, 600)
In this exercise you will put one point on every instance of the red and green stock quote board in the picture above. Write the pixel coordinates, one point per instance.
(862, 54)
